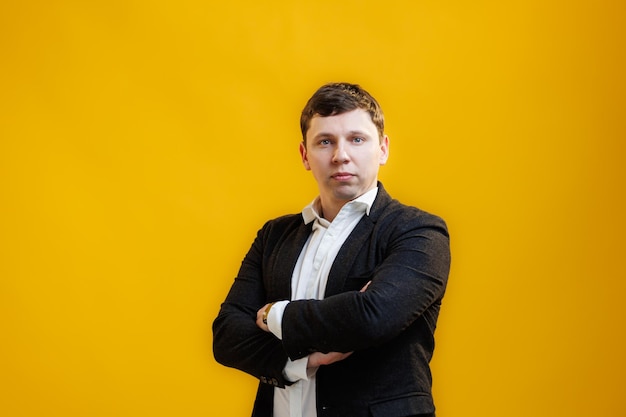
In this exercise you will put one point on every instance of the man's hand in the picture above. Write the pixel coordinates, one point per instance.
(317, 359)
(259, 318)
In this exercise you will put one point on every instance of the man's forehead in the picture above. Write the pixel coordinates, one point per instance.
(356, 117)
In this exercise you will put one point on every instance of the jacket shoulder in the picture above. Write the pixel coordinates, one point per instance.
(389, 212)
(403, 214)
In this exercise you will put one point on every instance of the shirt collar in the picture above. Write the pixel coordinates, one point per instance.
(363, 202)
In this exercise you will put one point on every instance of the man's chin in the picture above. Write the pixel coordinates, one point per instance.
(346, 193)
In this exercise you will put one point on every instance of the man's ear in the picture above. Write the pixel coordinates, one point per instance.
(303, 154)
(384, 150)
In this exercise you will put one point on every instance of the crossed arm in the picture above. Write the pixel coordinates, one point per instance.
(411, 278)
(315, 359)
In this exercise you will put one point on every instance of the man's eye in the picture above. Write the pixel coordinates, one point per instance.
(324, 142)
(358, 140)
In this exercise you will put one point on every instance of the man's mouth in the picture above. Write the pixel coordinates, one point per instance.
(342, 176)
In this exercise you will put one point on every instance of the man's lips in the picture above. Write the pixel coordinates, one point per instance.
(342, 176)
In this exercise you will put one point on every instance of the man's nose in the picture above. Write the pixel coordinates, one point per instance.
(340, 155)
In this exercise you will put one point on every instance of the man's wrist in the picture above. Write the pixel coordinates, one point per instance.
(266, 312)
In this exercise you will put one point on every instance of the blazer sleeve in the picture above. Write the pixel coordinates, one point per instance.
(237, 340)
(409, 282)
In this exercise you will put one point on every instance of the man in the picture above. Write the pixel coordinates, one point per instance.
(334, 309)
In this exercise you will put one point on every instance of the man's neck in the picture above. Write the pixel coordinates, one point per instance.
(329, 209)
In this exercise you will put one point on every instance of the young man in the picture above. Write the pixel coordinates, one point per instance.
(334, 309)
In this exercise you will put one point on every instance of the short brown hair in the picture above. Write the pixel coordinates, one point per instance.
(337, 98)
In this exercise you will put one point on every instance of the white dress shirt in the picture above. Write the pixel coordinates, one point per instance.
(309, 282)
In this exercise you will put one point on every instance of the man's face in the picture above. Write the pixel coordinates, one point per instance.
(344, 154)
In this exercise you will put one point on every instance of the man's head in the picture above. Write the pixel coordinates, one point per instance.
(337, 98)
(343, 144)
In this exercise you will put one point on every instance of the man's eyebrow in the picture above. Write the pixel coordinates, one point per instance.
(350, 133)
(324, 135)
(358, 132)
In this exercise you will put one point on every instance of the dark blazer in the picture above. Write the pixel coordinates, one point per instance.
(405, 254)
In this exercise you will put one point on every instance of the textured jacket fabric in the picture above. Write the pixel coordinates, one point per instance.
(405, 254)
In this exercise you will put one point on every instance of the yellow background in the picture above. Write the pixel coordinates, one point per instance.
(143, 143)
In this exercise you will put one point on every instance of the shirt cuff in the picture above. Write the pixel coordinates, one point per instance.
(296, 370)
(275, 318)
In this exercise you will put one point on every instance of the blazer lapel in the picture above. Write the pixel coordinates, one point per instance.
(356, 242)
(284, 262)
(347, 255)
